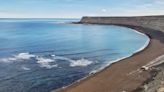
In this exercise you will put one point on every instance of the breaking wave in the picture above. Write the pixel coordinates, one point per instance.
(18, 57)
(81, 62)
(45, 62)
(25, 68)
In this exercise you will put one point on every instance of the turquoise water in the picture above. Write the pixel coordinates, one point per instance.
(38, 55)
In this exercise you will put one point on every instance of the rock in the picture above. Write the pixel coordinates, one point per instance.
(145, 87)
(124, 91)
(144, 68)
(162, 82)
(161, 89)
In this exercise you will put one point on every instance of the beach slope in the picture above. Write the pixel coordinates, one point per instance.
(126, 75)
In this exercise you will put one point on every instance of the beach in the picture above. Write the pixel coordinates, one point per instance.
(125, 75)
(56, 57)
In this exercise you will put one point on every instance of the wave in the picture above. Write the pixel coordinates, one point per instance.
(25, 68)
(24, 56)
(81, 62)
(74, 63)
(45, 62)
(20, 57)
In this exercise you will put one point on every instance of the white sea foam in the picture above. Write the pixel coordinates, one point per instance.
(80, 62)
(24, 56)
(25, 68)
(73, 63)
(45, 62)
(9, 59)
(61, 58)
(18, 57)
(146, 43)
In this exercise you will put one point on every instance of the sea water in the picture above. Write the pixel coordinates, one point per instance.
(39, 55)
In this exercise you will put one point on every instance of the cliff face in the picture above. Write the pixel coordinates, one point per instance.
(152, 22)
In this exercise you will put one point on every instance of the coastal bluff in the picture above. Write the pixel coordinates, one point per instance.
(152, 22)
(129, 75)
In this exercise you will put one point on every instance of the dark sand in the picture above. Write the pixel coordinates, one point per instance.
(120, 76)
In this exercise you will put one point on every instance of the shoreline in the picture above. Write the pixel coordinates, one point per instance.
(119, 59)
(76, 86)
(92, 73)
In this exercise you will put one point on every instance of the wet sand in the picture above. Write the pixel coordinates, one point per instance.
(120, 76)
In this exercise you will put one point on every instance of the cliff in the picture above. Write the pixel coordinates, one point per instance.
(152, 22)
(132, 70)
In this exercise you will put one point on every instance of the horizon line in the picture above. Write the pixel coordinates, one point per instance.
(82, 16)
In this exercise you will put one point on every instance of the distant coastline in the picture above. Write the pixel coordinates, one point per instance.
(116, 74)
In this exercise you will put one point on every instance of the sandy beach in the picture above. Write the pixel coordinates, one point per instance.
(123, 75)
(82, 46)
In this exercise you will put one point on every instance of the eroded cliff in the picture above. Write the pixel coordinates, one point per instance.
(153, 22)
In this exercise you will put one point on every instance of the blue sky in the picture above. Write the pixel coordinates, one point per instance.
(79, 8)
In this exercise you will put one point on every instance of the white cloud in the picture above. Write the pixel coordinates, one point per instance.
(104, 10)
(160, 2)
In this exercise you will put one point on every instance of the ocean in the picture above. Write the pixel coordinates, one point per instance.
(39, 55)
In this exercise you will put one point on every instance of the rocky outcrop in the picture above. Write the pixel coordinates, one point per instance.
(152, 22)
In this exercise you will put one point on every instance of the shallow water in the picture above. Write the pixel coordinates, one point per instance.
(38, 55)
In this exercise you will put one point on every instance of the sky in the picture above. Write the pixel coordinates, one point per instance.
(79, 8)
